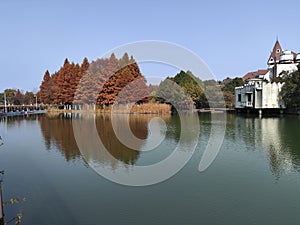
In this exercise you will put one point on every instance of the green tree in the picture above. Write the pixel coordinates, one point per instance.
(228, 88)
(172, 93)
(2, 98)
(10, 95)
(29, 98)
(190, 85)
(230, 85)
(290, 92)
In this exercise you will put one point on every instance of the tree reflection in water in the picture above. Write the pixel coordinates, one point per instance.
(277, 136)
(58, 131)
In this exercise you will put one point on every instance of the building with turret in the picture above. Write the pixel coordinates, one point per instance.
(259, 92)
(282, 60)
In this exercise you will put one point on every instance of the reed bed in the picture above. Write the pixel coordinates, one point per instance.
(146, 108)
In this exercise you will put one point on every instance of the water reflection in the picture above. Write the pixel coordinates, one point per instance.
(277, 136)
(91, 149)
(58, 131)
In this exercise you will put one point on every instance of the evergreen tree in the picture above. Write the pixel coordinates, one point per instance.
(190, 85)
(45, 89)
(84, 65)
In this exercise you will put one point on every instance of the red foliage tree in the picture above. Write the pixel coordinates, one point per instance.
(96, 83)
(19, 98)
(45, 89)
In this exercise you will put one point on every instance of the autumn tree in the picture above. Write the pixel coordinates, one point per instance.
(98, 82)
(106, 78)
(131, 85)
(19, 98)
(84, 65)
(45, 94)
(60, 87)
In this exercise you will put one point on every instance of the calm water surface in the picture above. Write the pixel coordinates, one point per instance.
(255, 178)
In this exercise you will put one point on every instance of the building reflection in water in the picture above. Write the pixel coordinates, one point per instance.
(275, 135)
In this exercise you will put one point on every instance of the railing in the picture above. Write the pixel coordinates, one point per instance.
(247, 104)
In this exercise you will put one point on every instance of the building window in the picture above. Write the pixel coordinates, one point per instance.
(278, 50)
(249, 97)
(239, 97)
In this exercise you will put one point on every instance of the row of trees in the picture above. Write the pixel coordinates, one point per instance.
(59, 88)
(110, 80)
(18, 97)
(98, 82)
(185, 88)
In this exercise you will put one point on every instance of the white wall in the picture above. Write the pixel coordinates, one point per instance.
(269, 97)
(286, 67)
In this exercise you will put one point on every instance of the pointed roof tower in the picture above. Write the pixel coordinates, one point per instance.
(275, 54)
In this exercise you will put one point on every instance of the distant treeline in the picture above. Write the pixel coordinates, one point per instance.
(204, 94)
(18, 97)
(103, 81)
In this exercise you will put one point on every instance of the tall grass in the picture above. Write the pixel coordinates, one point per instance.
(146, 108)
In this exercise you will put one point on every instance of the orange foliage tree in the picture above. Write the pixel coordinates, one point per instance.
(98, 82)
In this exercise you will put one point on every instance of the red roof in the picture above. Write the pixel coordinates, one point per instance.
(275, 54)
(262, 72)
(254, 74)
(249, 75)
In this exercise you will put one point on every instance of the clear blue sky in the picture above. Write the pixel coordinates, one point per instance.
(232, 37)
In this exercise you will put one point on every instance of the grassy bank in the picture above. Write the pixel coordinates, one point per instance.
(147, 108)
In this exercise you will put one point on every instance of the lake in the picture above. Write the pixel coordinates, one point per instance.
(255, 178)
